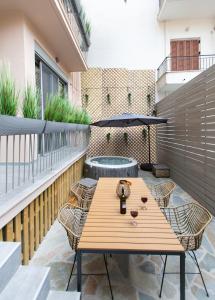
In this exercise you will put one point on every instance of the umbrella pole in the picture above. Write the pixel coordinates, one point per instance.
(149, 144)
(148, 166)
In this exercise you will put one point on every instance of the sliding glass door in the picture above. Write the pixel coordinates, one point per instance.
(48, 82)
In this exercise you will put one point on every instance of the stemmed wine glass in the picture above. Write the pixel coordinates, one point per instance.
(134, 214)
(144, 200)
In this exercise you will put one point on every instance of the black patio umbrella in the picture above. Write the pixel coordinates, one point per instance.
(128, 120)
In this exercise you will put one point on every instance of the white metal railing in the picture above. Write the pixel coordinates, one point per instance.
(161, 3)
(31, 148)
(73, 18)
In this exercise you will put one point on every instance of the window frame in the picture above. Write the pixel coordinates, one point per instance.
(39, 61)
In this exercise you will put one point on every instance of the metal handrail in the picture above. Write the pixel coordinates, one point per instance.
(30, 149)
(72, 12)
(161, 3)
(185, 63)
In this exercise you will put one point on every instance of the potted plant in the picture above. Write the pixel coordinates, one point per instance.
(8, 94)
(108, 99)
(108, 136)
(59, 114)
(86, 98)
(30, 106)
(129, 98)
(125, 136)
(144, 134)
(10, 123)
(149, 99)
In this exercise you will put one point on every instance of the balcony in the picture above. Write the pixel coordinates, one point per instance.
(73, 9)
(176, 71)
(171, 10)
(58, 23)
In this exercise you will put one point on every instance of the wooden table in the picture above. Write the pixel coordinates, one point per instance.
(107, 231)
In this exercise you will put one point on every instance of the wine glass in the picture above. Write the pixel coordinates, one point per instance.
(144, 200)
(134, 214)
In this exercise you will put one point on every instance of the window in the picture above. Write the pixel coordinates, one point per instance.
(48, 82)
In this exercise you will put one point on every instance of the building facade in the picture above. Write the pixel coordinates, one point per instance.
(189, 42)
(45, 44)
(176, 38)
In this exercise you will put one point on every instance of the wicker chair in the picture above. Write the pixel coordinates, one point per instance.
(72, 219)
(162, 192)
(83, 194)
(188, 222)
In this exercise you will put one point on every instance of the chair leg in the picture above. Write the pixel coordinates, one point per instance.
(108, 276)
(164, 269)
(200, 272)
(162, 258)
(71, 271)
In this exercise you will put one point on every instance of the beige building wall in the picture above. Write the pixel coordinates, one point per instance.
(17, 49)
(12, 45)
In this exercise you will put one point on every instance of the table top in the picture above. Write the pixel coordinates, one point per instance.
(107, 229)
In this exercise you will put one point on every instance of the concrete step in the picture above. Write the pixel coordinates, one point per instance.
(10, 260)
(30, 283)
(58, 295)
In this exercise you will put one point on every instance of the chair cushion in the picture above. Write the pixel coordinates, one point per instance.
(88, 182)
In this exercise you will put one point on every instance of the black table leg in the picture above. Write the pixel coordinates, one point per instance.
(182, 276)
(79, 270)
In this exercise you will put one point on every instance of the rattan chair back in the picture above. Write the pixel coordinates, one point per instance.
(188, 222)
(162, 192)
(72, 219)
(84, 195)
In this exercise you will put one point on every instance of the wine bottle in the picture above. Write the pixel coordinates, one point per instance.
(123, 203)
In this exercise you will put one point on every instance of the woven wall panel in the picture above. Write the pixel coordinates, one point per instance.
(118, 83)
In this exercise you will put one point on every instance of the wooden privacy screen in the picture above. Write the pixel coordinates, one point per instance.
(31, 225)
(108, 92)
(187, 142)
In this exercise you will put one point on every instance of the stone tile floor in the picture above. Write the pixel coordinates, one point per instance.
(133, 277)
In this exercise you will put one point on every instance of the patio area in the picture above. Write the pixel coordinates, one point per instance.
(133, 277)
(92, 92)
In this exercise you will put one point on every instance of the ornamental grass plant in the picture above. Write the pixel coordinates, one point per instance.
(59, 109)
(8, 93)
(30, 107)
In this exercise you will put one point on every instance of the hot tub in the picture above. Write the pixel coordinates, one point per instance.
(110, 166)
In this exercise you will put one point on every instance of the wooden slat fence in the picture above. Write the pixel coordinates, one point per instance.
(31, 225)
(187, 142)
